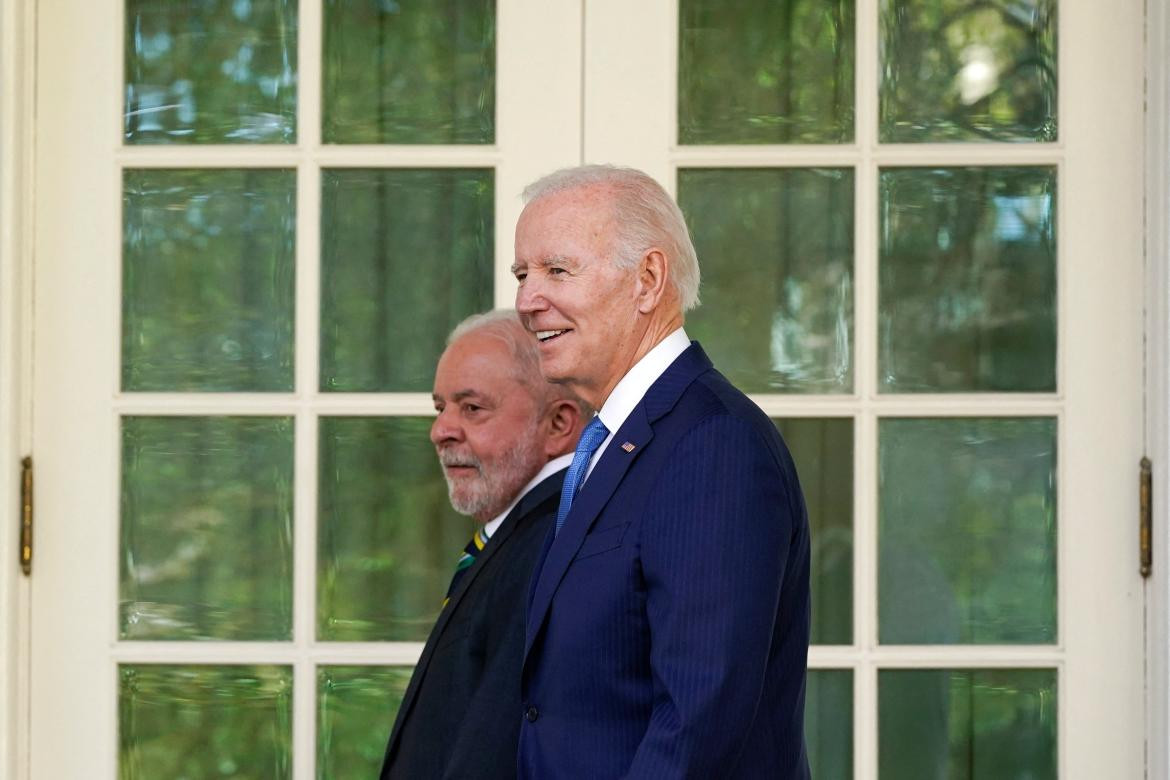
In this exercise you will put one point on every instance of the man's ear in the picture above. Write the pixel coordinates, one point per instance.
(653, 274)
(562, 427)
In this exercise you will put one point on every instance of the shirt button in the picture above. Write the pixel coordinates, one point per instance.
(531, 715)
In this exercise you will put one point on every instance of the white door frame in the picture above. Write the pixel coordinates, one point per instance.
(1157, 396)
(17, 30)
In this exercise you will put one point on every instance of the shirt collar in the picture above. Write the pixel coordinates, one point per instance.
(547, 470)
(633, 386)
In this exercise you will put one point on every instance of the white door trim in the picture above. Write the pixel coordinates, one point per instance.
(17, 30)
(1157, 378)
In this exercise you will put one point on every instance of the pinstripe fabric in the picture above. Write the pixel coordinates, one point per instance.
(668, 628)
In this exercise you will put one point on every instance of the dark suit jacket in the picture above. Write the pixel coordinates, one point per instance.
(668, 624)
(460, 716)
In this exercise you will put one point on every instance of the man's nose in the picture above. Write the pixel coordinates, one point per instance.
(529, 298)
(445, 428)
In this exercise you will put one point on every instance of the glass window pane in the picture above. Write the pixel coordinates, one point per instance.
(967, 287)
(204, 721)
(388, 538)
(957, 70)
(405, 255)
(207, 280)
(409, 72)
(978, 724)
(212, 72)
(828, 723)
(822, 449)
(206, 528)
(967, 530)
(776, 251)
(356, 706)
(758, 71)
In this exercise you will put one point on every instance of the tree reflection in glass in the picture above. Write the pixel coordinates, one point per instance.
(958, 70)
(765, 72)
(967, 530)
(967, 723)
(409, 72)
(406, 254)
(387, 537)
(356, 707)
(210, 71)
(776, 251)
(967, 280)
(206, 528)
(204, 721)
(208, 260)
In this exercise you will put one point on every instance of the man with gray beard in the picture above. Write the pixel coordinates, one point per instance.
(504, 437)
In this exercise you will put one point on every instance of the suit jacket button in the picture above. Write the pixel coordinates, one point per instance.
(531, 715)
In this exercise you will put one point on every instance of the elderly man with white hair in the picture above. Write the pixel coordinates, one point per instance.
(502, 434)
(668, 625)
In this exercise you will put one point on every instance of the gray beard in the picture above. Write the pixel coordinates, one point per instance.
(496, 485)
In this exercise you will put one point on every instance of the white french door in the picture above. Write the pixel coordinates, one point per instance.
(919, 224)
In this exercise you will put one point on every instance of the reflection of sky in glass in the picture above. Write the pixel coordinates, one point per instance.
(1019, 217)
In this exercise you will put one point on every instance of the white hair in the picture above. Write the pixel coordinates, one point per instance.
(646, 217)
(505, 325)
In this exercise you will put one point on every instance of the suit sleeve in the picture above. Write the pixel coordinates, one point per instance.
(714, 543)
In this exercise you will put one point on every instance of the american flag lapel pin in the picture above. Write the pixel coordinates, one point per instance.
(628, 446)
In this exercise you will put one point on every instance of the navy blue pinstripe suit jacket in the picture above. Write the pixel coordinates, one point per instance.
(668, 624)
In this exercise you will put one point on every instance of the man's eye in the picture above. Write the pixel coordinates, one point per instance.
(555, 270)
(471, 408)
(520, 276)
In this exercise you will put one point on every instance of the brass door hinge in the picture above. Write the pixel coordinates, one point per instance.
(1146, 519)
(26, 515)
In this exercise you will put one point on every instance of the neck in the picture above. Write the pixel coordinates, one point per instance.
(656, 331)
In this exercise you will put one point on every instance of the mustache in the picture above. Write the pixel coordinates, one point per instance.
(453, 458)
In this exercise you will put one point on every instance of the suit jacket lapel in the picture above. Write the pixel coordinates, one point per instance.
(606, 476)
(532, 499)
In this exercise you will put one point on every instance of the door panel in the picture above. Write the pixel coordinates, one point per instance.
(257, 220)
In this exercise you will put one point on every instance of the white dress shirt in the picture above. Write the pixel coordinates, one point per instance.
(632, 387)
(550, 468)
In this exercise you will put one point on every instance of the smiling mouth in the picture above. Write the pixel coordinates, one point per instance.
(545, 336)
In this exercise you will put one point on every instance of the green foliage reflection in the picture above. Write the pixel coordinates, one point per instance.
(828, 723)
(200, 722)
(388, 538)
(967, 280)
(822, 449)
(206, 531)
(405, 256)
(967, 723)
(356, 706)
(776, 251)
(409, 72)
(207, 280)
(765, 71)
(211, 71)
(967, 531)
(958, 70)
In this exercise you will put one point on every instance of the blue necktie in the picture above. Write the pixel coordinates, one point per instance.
(591, 438)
